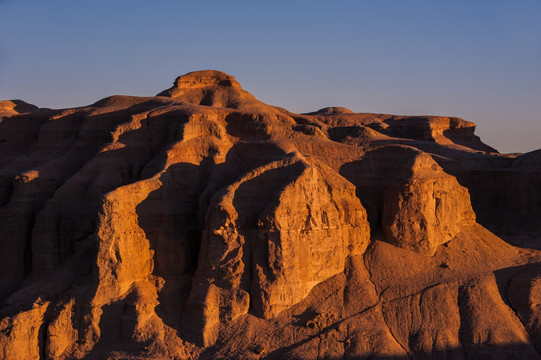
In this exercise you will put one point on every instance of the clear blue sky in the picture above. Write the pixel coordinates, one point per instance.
(480, 60)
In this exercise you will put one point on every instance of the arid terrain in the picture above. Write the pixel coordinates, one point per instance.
(202, 223)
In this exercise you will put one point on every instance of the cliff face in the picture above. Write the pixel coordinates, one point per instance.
(204, 223)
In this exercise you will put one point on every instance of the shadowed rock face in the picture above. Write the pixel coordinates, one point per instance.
(13, 107)
(203, 223)
(421, 206)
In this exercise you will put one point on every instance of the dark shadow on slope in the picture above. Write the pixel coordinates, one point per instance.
(117, 326)
(255, 127)
(505, 200)
(414, 127)
(142, 155)
(465, 137)
(173, 218)
(508, 203)
(19, 132)
(377, 170)
(519, 288)
(502, 352)
(251, 198)
(170, 218)
(58, 146)
(76, 284)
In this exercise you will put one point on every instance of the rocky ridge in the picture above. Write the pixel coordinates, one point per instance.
(203, 223)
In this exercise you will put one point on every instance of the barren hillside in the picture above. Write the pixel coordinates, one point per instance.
(202, 223)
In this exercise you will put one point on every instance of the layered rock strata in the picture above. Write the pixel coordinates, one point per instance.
(203, 223)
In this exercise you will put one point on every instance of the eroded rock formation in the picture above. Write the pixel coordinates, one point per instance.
(418, 205)
(203, 223)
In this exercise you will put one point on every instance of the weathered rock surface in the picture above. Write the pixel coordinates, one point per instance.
(203, 223)
(15, 107)
(420, 206)
(270, 238)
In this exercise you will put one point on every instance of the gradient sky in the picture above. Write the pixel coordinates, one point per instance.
(479, 60)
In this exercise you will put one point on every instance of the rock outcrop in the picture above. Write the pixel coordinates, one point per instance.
(270, 238)
(203, 223)
(422, 206)
(15, 107)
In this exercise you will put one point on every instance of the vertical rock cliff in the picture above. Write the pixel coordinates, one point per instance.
(203, 223)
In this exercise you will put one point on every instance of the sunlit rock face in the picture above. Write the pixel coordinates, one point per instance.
(422, 206)
(203, 223)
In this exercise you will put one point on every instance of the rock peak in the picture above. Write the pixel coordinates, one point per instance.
(206, 78)
(210, 88)
(16, 107)
(332, 110)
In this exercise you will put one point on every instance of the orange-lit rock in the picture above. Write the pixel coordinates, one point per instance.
(203, 223)
(427, 207)
(270, 238)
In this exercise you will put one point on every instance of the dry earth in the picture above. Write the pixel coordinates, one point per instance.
(204, 224)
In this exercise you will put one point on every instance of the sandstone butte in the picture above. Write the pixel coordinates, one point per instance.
(202, 223)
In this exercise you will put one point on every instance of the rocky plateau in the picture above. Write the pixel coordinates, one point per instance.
(202, 223)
